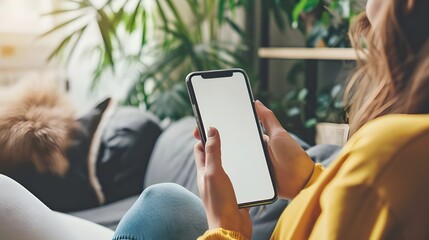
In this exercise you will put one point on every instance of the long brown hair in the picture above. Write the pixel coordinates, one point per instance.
(393, 76)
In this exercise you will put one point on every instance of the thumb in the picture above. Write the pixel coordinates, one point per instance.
(213, 150)
(268, 119)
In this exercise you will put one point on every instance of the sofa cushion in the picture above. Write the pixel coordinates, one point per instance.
(126, 146)
(172, 159)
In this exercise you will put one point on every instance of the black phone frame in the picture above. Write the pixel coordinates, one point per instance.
(228, 73)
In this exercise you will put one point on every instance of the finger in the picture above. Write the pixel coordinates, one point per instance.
(265, 137)
(246, 210)
(197, 133)
(268, 119)
(199, 155)
(212, 150)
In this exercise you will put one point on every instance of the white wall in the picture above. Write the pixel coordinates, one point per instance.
(22, 54)
(20, 25)
(21, 18)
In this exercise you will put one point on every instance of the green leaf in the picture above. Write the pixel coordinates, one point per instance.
(302, 95)
(62, 25)
(310, 123)
(60, 47)
(235, 27)
(162, 14)
(336, 90)
(132, 21)
(290, 96)
(232, 7)
(194, 6)
(103, 26)
(221, 11)
(295, 111)
(144, 29)
(179, 23)
(303, 6)
(119, 16)
(61, 11)
(101, 67)
(78, 35)
(278, 17)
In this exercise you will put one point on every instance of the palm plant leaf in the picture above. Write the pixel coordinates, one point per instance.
(106, 30)
(62, 11)
(62, 25)
(78, 35)
(144, 29)
(60, 47)
(131, 24)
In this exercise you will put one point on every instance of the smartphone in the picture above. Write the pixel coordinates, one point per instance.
(223, 99)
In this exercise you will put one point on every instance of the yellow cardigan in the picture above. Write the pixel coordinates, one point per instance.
(378, 188)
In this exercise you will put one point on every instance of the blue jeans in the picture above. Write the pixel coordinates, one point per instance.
(163, 211)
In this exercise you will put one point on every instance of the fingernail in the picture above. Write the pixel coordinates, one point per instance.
(211, 132)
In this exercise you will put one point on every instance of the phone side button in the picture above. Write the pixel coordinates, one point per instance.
(194, 110)
(261, 126)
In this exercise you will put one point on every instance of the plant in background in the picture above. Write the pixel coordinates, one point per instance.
(184, 48)
(291, 111)
(185, 41)
(330, 105)
(325, 23)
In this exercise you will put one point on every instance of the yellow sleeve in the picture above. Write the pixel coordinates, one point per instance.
(351, 210)
(372, 191)
(357, 199)
(220, 233)
(317, 170)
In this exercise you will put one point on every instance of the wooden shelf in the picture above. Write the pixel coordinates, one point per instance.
(309, 53)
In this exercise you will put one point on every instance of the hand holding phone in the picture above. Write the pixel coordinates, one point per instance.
(223, 99)
(216, 189)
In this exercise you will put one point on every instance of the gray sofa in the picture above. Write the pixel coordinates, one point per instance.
(118, 152)
(172, 161)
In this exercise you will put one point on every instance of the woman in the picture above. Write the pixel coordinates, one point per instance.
(378, 186)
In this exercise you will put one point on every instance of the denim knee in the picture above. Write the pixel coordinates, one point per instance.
(164, 211)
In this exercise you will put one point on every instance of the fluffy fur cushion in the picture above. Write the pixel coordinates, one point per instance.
(36, 121)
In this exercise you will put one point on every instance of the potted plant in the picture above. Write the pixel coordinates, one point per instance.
(331, 127)
(330, 122)
(324, 23)
(291, 112)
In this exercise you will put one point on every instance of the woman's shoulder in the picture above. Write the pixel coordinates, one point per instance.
(393, 130)
(389, 157)
(381, 177)
(393, 140)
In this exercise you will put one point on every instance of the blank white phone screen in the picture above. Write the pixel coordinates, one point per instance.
(224, 103)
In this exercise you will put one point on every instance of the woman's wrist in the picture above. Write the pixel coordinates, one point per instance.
(294, 179)
(306, 171)
(317, 170)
